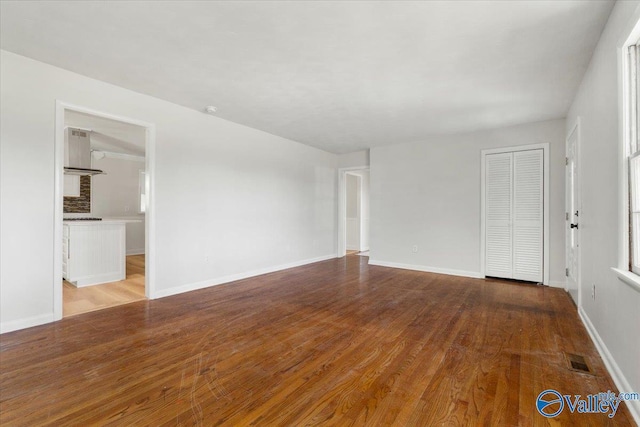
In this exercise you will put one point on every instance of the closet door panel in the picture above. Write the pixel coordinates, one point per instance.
(528, 215)
(498, 215)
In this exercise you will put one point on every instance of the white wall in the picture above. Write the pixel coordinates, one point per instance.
(614, 315)
(428, 194)
(116, 195)
(245, 200)
(355, 159)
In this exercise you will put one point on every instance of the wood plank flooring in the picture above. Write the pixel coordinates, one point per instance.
(337, 342)
(91, 298)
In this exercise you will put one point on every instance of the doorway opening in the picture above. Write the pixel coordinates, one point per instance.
(353, 226)
(104, 220)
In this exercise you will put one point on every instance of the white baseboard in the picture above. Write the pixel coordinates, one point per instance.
(558, 284)
(29, 322)
(614, 370)
(233, 277)
(135, 251)
(451, 272)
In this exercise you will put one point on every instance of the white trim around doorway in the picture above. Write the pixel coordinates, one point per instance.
(150, 151)
(342, 207)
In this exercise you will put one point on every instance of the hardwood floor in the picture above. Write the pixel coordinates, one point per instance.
(91, 298)
(338, 342)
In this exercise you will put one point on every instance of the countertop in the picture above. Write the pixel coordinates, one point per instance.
(105, 220)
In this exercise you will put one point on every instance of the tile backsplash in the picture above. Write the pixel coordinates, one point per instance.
(80, 204)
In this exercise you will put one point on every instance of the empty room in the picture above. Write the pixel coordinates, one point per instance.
(281, 213)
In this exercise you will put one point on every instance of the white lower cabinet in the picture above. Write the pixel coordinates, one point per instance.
(93, 253)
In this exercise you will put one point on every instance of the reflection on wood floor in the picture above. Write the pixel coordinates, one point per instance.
(91, 298)
(335, 343)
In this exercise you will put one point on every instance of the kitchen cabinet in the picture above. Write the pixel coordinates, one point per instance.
(71, 186)
(93, 252)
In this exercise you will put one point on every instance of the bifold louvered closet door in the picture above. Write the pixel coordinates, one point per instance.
(514, 215)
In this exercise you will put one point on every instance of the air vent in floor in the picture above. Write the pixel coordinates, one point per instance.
(578, 363)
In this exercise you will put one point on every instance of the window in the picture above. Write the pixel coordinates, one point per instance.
(634, 212)
(628, 268)
(142, 192)
(633, 153)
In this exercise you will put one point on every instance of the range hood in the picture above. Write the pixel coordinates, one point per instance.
(77, 152)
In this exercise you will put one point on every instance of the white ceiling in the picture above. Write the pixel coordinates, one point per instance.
(341, 76)
(109, 135)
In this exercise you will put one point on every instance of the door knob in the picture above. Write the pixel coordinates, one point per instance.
(574, 225)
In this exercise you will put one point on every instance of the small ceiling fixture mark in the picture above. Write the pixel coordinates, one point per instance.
(210, 109)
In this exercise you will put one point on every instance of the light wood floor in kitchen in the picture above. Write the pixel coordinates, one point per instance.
(92, 298)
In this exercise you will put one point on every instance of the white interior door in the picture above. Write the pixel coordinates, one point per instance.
(572, 216)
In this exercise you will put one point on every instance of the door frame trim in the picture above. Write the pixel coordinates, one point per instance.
(150, 160)
(342, 207)
(545, 217)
